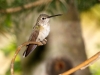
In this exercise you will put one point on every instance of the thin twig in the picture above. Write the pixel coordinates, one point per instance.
(83, 65)
(27, 6)
(17, 51)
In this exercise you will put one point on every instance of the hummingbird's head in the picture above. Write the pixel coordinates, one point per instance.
(44, 19)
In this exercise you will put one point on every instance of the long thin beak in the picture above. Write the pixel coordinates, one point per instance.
(54, 15)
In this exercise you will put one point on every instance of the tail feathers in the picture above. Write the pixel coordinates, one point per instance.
(29, 50)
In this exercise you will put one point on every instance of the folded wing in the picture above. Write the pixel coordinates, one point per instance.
(30, 48)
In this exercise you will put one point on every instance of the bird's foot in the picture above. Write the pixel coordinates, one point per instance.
(44, 41)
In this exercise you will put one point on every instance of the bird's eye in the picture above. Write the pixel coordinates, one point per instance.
(43, 18)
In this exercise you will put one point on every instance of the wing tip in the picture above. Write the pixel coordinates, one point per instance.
(24, 54)
(29, 50)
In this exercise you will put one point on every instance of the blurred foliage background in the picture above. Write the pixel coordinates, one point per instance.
(11, 23)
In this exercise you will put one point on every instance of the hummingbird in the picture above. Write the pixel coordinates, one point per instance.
(40, 32)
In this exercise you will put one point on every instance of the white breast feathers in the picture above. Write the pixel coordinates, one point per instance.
(43, 33)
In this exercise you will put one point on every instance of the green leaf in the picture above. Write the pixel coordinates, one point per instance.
(41, 8)
(51, 8)
(53, 5)
(8, 21)
(50, 11)
(17, 67)
(86, 4)
(9, 49)
(3, 4)
(62, 7)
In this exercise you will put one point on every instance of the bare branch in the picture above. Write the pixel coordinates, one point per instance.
(27, 6)
(17, 51)
(83, 65)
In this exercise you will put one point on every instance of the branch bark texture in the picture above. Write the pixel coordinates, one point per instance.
(27, 6)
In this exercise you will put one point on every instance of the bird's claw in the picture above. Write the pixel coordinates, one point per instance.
(44, 41)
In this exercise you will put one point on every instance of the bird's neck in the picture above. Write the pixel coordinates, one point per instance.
(44, 27)
(44, 24)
